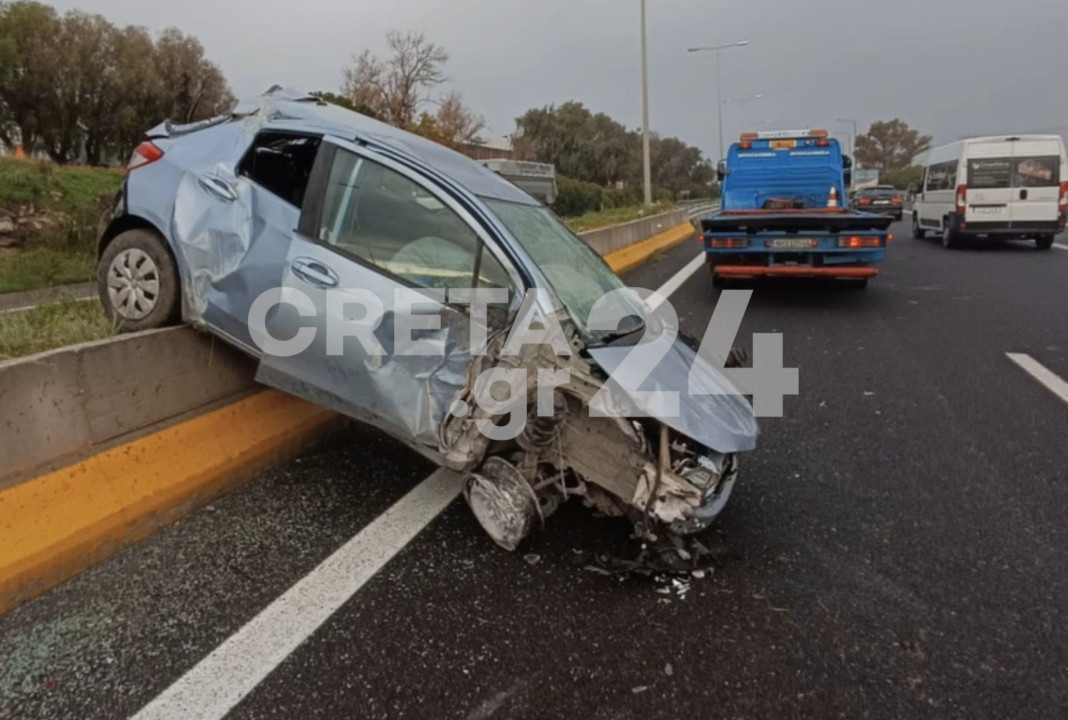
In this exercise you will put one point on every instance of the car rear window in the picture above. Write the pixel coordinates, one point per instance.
(1009, 172)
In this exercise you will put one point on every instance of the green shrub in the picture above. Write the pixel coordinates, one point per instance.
(574, 197)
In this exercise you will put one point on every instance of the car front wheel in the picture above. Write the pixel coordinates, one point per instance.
(917, 232)
(138, 282)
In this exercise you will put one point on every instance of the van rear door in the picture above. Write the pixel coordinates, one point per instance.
(989, 181)
(1036, 179)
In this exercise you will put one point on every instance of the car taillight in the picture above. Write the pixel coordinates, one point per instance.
(897, 201)
(859, 241)
(144, 154)
(962, 198)
(1064, 196)
(864, 201)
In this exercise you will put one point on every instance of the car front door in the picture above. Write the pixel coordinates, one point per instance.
(378, 244)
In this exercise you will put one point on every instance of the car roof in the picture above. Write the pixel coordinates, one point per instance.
(289, 109)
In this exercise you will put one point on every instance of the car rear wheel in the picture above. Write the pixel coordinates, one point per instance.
(138, 282)
(1044, 242)
(918, 232)
(949, 236)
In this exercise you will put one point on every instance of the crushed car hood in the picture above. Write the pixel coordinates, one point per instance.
(723, 421)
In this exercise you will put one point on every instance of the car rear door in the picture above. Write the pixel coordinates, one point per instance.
(989, 180)
(375, 238)
(1036, 167)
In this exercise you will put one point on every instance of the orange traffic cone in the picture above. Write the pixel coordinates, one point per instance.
(832, 199)
(20, 153)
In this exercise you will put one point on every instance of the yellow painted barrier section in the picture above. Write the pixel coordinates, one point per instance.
(634, 255)
(59, 524)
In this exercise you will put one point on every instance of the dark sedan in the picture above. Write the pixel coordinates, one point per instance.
(883, 200)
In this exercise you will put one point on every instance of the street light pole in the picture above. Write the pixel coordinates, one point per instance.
(719, 103)
(852, 151)
(647, 171)
(742, 102)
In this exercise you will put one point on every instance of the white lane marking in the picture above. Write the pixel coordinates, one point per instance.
(677, 281)
(216, 684)
(1040, 372)
(1060, 247)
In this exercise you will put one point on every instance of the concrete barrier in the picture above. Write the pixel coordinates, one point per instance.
(61, 406)
(606, 241)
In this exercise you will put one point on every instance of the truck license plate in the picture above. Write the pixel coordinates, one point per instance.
(793, 243)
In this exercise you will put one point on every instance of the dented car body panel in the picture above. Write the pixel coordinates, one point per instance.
(290, 195)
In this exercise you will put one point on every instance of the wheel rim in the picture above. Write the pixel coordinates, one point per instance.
(133, 284)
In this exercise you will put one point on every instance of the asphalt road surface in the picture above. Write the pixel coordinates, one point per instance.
(896, 548)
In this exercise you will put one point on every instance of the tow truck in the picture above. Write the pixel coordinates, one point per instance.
(783, 213)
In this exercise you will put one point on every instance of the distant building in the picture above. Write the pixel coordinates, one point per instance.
(535, 179)
(493, 149)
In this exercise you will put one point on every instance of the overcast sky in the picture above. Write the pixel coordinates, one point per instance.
(948, 67)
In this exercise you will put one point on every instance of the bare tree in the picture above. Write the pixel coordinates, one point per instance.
(398, 87)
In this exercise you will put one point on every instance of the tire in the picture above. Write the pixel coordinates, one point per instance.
(138, 282)
(918, 233)
(1044, 242)
(950, 240)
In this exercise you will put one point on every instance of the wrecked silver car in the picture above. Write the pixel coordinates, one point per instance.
(285, 225)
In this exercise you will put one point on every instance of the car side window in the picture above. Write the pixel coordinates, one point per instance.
(282, 163)
(387, 220)
(942, 176)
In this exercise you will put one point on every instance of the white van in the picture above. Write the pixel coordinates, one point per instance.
(994, 187)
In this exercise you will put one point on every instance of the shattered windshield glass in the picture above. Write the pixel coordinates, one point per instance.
(578, 276)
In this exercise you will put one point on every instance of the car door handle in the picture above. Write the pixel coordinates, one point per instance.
(217, 187)
(314, 272)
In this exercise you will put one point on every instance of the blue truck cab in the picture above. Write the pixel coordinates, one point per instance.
(784, 212)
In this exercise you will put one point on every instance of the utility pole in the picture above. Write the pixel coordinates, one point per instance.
(852, 151)
(716, 49)
(647, 170)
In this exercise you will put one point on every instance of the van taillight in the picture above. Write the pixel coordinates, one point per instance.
(1064, 196)
(144, 154)
(962, 198)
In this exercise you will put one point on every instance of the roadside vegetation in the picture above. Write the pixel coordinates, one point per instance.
(68, 322)
(614, 216)
(50, 218)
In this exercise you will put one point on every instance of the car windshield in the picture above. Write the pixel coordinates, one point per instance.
(577, 275)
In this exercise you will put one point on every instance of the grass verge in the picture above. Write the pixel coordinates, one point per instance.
(57, 214)
(615, 216)
(68, 322)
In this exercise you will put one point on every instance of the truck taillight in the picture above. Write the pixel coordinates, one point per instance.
(962, 198)
(1064, 196)
(144, 154)
(729, 243)
(860, 241)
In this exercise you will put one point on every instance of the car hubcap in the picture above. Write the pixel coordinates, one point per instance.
(133, 284)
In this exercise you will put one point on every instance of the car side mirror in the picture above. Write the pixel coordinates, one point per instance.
(913, 188)
(847, 176)
(721, 170)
